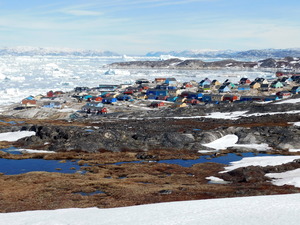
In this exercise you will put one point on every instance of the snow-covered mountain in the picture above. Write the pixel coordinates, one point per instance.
(35, 51)
(258, 54)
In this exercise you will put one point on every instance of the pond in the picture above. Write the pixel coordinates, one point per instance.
(14, 167)
(224, 159)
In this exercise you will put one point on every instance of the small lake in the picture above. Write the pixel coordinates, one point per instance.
(224, 159)
(14, 167)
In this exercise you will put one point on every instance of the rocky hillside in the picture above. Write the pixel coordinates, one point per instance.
(287, 62)
(260, 54)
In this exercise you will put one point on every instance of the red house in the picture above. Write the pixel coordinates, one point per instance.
(230, 98)
(98, 99)
(157, 104)
(50, 94)
(283, 94)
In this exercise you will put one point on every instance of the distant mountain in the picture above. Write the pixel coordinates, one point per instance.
(255, 54)
(33, 51)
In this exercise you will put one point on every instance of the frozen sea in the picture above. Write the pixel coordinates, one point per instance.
(21, 76)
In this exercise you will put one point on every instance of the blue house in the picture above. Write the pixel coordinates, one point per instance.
(206, 98)
(151, 97)
(171, 81)
(86, 97)
(295, 90)
(172, 99)
(224, 89)
(271, 98)
(123, 97)
(109, 100)
(244, 88)
(30, 98)
(246, 98)
(157, 92)
(206, 81)
(52, 105)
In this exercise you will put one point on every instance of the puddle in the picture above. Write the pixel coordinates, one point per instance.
(89, 193)
(11, 150)
(12, 122)
(14, 167)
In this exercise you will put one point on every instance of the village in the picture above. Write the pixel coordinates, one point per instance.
(161, 93)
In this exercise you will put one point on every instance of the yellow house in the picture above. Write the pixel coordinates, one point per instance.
(179, 105)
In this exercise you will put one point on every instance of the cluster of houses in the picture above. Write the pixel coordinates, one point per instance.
(45, 101)
(163, 91)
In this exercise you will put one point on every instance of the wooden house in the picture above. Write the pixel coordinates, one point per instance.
(29, 103)
(162, 97)
(123, 97)
(284, 94)
(204, 82)
(141, 96)
(172, 99)
(180, 99)
(295, 90)
(276, 84)
(50, 94)
(160, 80)
(142, 81)
(271, 98)
(264, 87)
(224, 89)
(215, 83)
(244, 81)
(108, 87)
(52, 105)
(171, 81)
(109, 100)
(157, 92)
(174, 92)
(252, 98)
(179, 105)
(187, 85)
(255, 85)
(206, 98)
(230, 98)
(97, 99)
(244, 88)
(156, 104)
(217, 98)
(192, 101)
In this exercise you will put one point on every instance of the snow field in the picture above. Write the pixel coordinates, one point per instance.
(262, 210)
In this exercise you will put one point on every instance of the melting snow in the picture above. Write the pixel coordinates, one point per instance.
(260, 161)
(291, 177)
(14, 136)
(262, 210)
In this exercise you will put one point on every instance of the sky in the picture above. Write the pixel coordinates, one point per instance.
(141, 26)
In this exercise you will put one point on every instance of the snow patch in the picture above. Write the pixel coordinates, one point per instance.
(260, 161)
(291, 177)
(14, 136)
(262, 210)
